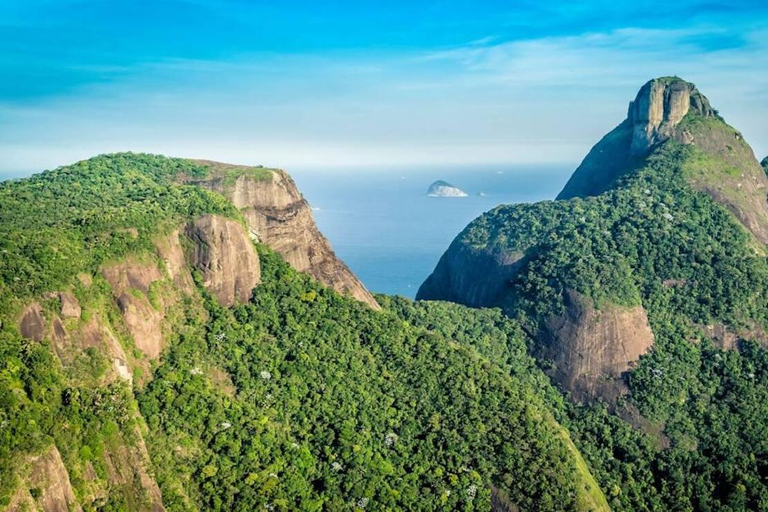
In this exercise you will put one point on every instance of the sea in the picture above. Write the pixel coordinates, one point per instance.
(381, 223)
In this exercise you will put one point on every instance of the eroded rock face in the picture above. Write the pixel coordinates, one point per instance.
(32, 323)
(127, 466)
(472, 278)
(592, 348)
(50, 479)
(95, 333)
(170, 250)
(225, 255)
(130, 282)
(659, 107)
(281, 218)
(70, 307)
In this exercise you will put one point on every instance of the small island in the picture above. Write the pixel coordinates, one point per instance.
(444, 189)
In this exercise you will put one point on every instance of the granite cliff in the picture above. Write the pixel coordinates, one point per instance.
(279, 216)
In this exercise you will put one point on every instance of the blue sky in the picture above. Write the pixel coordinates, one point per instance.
(356, 84)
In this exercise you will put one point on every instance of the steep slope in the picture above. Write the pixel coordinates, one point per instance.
(279, 216)
(563, 267)
(673, 109)
(153, 358)
(629, 287)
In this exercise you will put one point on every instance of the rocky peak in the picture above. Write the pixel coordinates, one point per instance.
(280, 217)
(659, 107)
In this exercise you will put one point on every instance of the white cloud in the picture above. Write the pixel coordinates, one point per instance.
(543, 100)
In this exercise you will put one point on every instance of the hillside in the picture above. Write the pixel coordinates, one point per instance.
(158, 353)
(643, 288)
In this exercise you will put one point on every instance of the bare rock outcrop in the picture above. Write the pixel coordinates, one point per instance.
(475, 278)
(130, 281)
(96, 333)
(170, 251)
(70, 307)
(659, 107)
(48, 477)
(226, 257)
(127, 467)
(32, 323)
(592, 349)
(670, 108)
(280, 217)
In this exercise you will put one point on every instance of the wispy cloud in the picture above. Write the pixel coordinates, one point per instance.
(538, 99)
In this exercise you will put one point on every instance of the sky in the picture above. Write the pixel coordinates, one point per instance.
(356, 85)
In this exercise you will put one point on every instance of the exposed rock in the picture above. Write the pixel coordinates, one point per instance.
(659, 107)
(671, 108)
(32, 323)
(225, 255)
(59, 337)
(70, 307)
(170, 250)
(85, 279)
(129, 274)
(96, 334)
(592, 348)
(470, 277)
(500, 502)
(127, 467)
(730, 338)
(281, 218)
(142, 320)
(50, 480)
(444, 189)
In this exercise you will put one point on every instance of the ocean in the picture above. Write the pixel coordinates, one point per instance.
(383, 226)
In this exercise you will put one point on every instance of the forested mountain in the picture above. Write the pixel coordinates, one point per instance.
(158, 354)
(644, 287)
(178, 335)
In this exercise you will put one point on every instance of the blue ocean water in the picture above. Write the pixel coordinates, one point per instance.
(382, 224)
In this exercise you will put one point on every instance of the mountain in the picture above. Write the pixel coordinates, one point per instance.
(161, 351)
(724, 166)
(279, 216)
(178, 335)
(444, 189)
(642, 288)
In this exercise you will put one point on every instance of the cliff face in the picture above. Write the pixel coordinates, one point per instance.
(49, 480)
(672, 109)
(224, 254)
(591, 349)
(279, 216)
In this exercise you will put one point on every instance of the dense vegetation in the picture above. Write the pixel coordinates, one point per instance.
(332, 405)
(301, 399)
(306, 400)
(58, 223)
(653, 240)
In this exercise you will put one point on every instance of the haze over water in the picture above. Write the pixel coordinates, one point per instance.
(384, 227)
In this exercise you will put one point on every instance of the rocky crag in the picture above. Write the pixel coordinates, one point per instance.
(279, 216)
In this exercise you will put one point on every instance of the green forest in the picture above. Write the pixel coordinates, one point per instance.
(304, 399)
